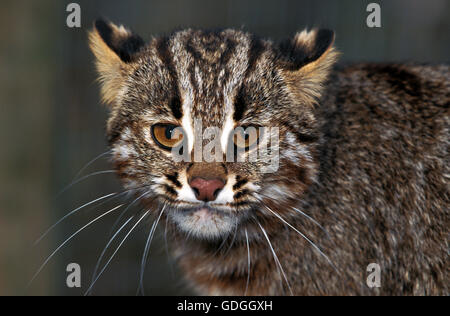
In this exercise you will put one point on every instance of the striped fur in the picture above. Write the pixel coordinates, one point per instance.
(337, 149)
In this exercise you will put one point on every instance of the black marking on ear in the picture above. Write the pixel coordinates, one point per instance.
(125, 46)
(295, 55)
(324, 39)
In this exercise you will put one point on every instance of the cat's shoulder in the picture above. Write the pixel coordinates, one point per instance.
(409, 81)
(393, 108)
(395, 93)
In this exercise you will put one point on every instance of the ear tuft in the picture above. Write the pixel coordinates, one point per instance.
(306, 61)
(115, 48)
(122, 41)
(306, 47)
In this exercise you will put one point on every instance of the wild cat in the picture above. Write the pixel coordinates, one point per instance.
(363, 161)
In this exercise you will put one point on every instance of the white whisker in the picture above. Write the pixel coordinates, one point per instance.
(232, 240)
(309, 217)
(97, 266)
(106, 198)
(115, 252)
(72, 212)
(275, 257)
(167, 248)
(248, 263)
(68, 239)
(301, 234)
(126, 209)
(90, 163)
(301, 213)
(147, 249)
(81, 179)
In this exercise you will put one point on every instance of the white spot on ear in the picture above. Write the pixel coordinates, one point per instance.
(305, 38)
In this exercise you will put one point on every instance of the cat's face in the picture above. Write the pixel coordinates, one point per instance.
(177, 104)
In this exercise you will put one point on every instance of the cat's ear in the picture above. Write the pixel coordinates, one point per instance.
(115, 48)
(306, 61)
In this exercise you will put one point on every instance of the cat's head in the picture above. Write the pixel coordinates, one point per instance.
(176, 105)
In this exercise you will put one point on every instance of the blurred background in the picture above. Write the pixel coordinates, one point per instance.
(52, 123)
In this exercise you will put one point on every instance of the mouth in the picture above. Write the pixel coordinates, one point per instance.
(206, 210)
(221, 208)
(204, 221)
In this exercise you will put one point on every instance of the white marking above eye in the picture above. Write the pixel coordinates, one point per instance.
(227, 126)
(186, 122)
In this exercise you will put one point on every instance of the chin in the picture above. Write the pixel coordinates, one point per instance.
(205, 222)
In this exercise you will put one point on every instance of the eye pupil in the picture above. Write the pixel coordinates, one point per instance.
(169, 132)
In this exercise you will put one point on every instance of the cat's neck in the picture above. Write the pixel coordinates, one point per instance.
(222, 267)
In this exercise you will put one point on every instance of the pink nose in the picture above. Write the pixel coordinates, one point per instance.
(206, 189)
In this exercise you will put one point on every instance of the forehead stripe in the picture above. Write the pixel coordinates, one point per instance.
(254, 52)
(166, 57)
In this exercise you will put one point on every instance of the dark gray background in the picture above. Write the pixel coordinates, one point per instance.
(51, 122)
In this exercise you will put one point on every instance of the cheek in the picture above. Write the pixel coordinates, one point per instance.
(146, 134)
(130, 162)
(124, 157)
(245, 176)
(124, 152)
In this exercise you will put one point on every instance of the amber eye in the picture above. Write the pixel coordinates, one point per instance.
(167, 136)
(246, 137)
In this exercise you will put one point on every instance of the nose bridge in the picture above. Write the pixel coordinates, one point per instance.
(205, 170)
(206, 180)
(207, 129)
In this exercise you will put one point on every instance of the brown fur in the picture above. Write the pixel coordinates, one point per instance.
(364, 151)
